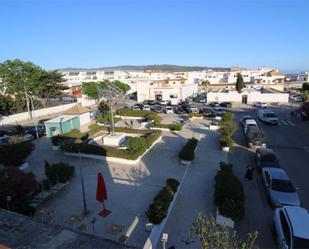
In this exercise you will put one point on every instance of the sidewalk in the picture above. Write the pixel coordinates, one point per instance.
(196, 193)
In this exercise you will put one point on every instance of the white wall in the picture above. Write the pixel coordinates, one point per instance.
(221, 97)
(13, 119)
(84, 118)
(268, 97)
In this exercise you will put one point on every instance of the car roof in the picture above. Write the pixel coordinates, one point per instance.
(299, 219)
(250, 121)
(277, 173)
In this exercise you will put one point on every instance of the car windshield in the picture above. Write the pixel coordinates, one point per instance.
(300, 243)
(270, 115)
(282, 186)
(256, 136)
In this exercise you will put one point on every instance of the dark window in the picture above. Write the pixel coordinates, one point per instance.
(285, 228)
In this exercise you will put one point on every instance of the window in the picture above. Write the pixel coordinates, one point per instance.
(285, 228)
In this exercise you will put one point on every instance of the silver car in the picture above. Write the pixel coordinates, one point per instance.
(279, 188)
(291, 225)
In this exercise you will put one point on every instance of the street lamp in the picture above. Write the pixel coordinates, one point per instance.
(78, 142)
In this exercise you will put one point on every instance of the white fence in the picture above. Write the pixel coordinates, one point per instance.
(221, 97)
(15, 118)
(268, 97)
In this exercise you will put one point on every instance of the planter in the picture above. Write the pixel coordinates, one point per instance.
(222, 220)
(56, 147)
(184, 162)
(226, 149)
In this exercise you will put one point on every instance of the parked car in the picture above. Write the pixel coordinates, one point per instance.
(193, 109)
(268, 117)
(291, 225)
(40, 130)
(226, 104)
(158, 109)
(146, 107)
(163, 102)
(243, 120)
(279, 188)
(214, 104)
(260, 105)
(169, 110)
(255, 137)
(202, 100)
(151, 102)
(266, 158)
(206, 111)
(218, 111)
(249, 123)
(180, 110)
(135, 107)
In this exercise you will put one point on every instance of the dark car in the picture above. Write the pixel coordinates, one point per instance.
(266, 158)
(226, 104)
(40, 130)
(214, 104)
(180, 110)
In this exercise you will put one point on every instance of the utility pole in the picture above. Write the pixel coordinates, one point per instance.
(111, 110)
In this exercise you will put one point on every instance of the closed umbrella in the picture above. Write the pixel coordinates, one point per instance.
(102, 195)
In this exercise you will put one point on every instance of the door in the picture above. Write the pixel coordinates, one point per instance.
(244, 99)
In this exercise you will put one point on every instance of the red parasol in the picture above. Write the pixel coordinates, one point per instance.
(101, 189)
(102, 195)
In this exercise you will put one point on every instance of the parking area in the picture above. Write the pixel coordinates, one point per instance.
(289, 140)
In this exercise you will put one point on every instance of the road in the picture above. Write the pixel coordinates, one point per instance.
(290, 141)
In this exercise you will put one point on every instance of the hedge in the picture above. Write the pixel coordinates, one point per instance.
(226, 141)
(59, 172)
(133, 113)
(187, 152)
(130, 153)
(229, 194)
(158, 209)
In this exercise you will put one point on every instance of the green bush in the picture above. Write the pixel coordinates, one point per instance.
(226, 141)
(15, 154)
(59, 172)
(228, 116)
(106, 117)
(228, 127)
(135, 143)
(187, 152)
(133, 113)
(229, 194)
(175, 127)
(158, 209)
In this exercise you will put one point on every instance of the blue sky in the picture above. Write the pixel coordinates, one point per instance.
(67, 33)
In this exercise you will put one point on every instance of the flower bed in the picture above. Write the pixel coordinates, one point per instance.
(158, 209)
(136, 147)
(187, 152)
(229, 194)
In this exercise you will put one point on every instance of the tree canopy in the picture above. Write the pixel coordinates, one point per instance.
(213, 236)
(240, 83)
(305, 87)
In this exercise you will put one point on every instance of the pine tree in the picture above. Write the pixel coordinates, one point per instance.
(240, 83)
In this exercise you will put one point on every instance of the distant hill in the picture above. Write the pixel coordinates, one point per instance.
(164, 68)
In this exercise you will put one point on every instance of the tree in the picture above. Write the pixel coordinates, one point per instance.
(213, 236)
(122, 86)
(20, 187)
(103, 107)
(90, 89)
(16, 151)
(205, 83)
(305, 87)
(18, 76)
(240, 83)
(6, 105)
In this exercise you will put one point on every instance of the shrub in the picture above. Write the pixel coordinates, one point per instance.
(153, 116)
(175, 127)
(133, 113)
(228, 127)
(229, 194)
(55, 140)
(59, 172)
(187, 152)
(227, 116)
(226, 141)
(135, 143)
(158, 209)
(14, 154)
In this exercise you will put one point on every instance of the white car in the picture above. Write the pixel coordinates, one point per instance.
(169, 110)
(146, 107)
(249, 122)
(268, 117)
(135, 107)
(291, 226)
(260, 105)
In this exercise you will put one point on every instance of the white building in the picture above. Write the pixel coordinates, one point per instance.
(303, 76)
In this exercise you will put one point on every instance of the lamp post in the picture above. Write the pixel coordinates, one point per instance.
(8, 199)
(78, 142)
(33, 115)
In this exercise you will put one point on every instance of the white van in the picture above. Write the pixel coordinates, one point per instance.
(268, 117)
